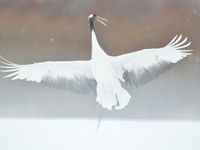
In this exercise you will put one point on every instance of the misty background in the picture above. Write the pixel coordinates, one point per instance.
(43, 30)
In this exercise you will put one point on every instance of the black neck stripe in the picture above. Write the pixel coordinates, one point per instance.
(91, 25)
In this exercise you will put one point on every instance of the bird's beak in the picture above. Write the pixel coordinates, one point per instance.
(102, 20)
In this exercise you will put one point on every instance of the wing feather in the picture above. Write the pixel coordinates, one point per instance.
(142, 66)
(75, 76)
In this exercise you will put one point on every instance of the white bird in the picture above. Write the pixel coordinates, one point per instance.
(102, 73)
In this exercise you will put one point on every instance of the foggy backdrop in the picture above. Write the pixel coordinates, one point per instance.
(43, 30)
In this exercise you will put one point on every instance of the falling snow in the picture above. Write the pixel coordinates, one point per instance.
(22, 30)
(197, 59)
(64, 10)
(194, 11)
(52, 39)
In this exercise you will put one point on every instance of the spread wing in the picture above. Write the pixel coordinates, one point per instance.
(141, 66)
(75, 76)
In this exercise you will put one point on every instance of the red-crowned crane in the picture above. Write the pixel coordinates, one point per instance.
(102, 73)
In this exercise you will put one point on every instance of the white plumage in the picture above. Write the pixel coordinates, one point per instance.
(102, 73)
(141, 66)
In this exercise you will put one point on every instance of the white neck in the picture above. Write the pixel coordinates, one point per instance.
(96, 49)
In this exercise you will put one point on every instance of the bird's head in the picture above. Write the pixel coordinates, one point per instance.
(92, 17)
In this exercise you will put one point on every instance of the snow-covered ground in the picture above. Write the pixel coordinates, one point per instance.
(70, 134)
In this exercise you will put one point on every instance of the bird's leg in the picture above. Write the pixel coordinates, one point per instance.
(99, 119)
(113, 108)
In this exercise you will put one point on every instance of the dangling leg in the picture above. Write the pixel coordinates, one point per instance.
(99, 120)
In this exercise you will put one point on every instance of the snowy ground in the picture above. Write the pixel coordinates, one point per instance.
(35, 134)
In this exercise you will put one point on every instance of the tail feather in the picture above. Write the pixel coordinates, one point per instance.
(107, 100)
(123, 98)
(111, 100)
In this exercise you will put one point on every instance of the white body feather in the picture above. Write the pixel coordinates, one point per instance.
(102, 73)
(110, 94)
